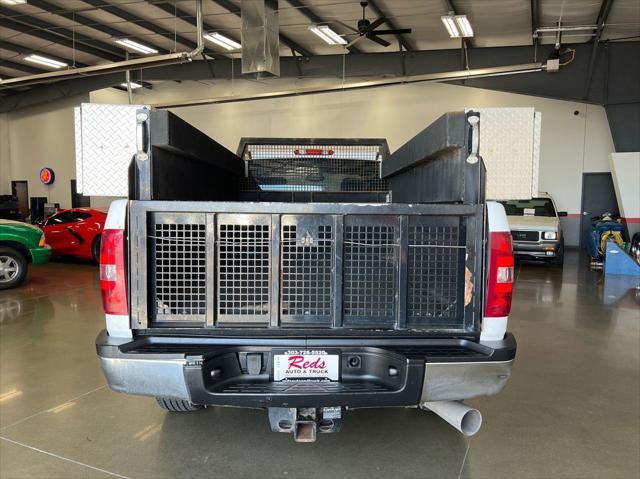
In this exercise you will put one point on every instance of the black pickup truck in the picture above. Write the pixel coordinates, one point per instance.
(307, 276)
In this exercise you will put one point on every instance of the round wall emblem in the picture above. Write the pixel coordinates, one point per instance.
(47, 176)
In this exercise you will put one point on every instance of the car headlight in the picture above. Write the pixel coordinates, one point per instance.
(550, 235)
(42, 243)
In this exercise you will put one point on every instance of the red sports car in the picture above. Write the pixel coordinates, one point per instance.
(75, 232)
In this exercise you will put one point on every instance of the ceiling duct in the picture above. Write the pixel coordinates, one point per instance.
(260, 37)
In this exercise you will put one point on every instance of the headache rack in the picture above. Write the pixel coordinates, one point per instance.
(306, 233)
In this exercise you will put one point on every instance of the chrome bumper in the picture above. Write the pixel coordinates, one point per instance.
(168, 375)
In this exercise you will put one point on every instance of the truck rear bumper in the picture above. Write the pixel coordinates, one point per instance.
(546, 249)
(390, 373)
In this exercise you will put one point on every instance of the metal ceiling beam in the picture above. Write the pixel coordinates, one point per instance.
(141, 22)
(53, 33)
(56, 39)
(603, 14)
(89, 22)
(404, 41)
(14, 47)
(232, 8)
(21, 67)
(315, 18)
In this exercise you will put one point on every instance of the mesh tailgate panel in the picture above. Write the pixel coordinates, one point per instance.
(370, 262)
(180, 270)
(306, 273)
(243, 272)
(433, 275)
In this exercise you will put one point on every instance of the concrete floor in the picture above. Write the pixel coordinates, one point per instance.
(571, 408)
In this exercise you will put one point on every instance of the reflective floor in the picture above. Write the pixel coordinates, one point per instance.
(571, 409)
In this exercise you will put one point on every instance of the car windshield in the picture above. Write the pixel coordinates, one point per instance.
(532, 207)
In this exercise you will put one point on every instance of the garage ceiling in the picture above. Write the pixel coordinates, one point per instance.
(84, 32)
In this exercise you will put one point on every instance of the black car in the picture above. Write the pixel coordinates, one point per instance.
(9, 209)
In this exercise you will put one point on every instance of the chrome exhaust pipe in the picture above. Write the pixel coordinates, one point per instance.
(464, 418)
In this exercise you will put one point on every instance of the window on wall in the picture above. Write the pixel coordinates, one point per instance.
(68, 217)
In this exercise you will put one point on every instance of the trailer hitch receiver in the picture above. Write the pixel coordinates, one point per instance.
(304, 423)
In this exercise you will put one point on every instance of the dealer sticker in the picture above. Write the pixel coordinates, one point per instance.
(306, 365)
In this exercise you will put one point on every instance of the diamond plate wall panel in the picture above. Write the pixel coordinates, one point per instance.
(510, 149)
(77, 125)
(537, 132)
(106, 135)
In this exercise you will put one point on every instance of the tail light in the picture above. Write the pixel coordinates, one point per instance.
(112, 272)
(500, 275)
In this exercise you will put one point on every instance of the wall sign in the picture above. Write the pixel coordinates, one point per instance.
(47, 176)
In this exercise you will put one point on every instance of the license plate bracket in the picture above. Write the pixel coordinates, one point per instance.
(293, 365)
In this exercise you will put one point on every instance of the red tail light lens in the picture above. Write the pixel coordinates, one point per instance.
(112, 272)
(500, 275)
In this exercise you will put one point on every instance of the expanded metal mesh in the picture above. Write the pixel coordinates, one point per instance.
(180, 269)
(370, 262)
(433, 273)
(243, 269)
(309, 270)
(313, 168)
(306, 272)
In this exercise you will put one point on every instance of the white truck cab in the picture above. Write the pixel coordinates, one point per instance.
(535, 228)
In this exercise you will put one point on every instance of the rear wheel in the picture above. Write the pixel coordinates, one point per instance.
(95, 248)
(13, 267)
(635, 247)
(177, 405)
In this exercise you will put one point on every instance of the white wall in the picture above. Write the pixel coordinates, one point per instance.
(625, 170)
(37, 137)
(5, 162)
(571, 144)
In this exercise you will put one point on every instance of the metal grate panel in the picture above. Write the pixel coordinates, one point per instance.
(433, 275)
(244, 265)
(370, 272)
(179, 266)
(525, 235)
(307, 258)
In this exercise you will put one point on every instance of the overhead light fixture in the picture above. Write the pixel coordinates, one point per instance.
(458, 26)
(139, 47)
(13, 2)
(222, 41)
(133, 84)
(48, 62)
(328, 35)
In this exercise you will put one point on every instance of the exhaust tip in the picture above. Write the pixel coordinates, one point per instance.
(471, 422)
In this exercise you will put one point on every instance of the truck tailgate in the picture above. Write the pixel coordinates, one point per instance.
(221, 265)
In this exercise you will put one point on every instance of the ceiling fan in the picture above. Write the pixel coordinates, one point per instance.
(367, 29)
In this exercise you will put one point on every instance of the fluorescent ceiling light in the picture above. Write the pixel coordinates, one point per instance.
(133, 84)
(139, 47)
(222, 41)
(328, 35)
(13, 2)
(458, 26)
(48, 62)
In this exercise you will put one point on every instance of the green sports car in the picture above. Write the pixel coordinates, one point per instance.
(20, 244)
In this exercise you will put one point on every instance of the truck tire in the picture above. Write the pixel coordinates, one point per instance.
(177, 405)
(559, 258)
(13, 267)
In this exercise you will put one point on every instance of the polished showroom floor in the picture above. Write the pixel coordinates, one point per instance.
(571, 408)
